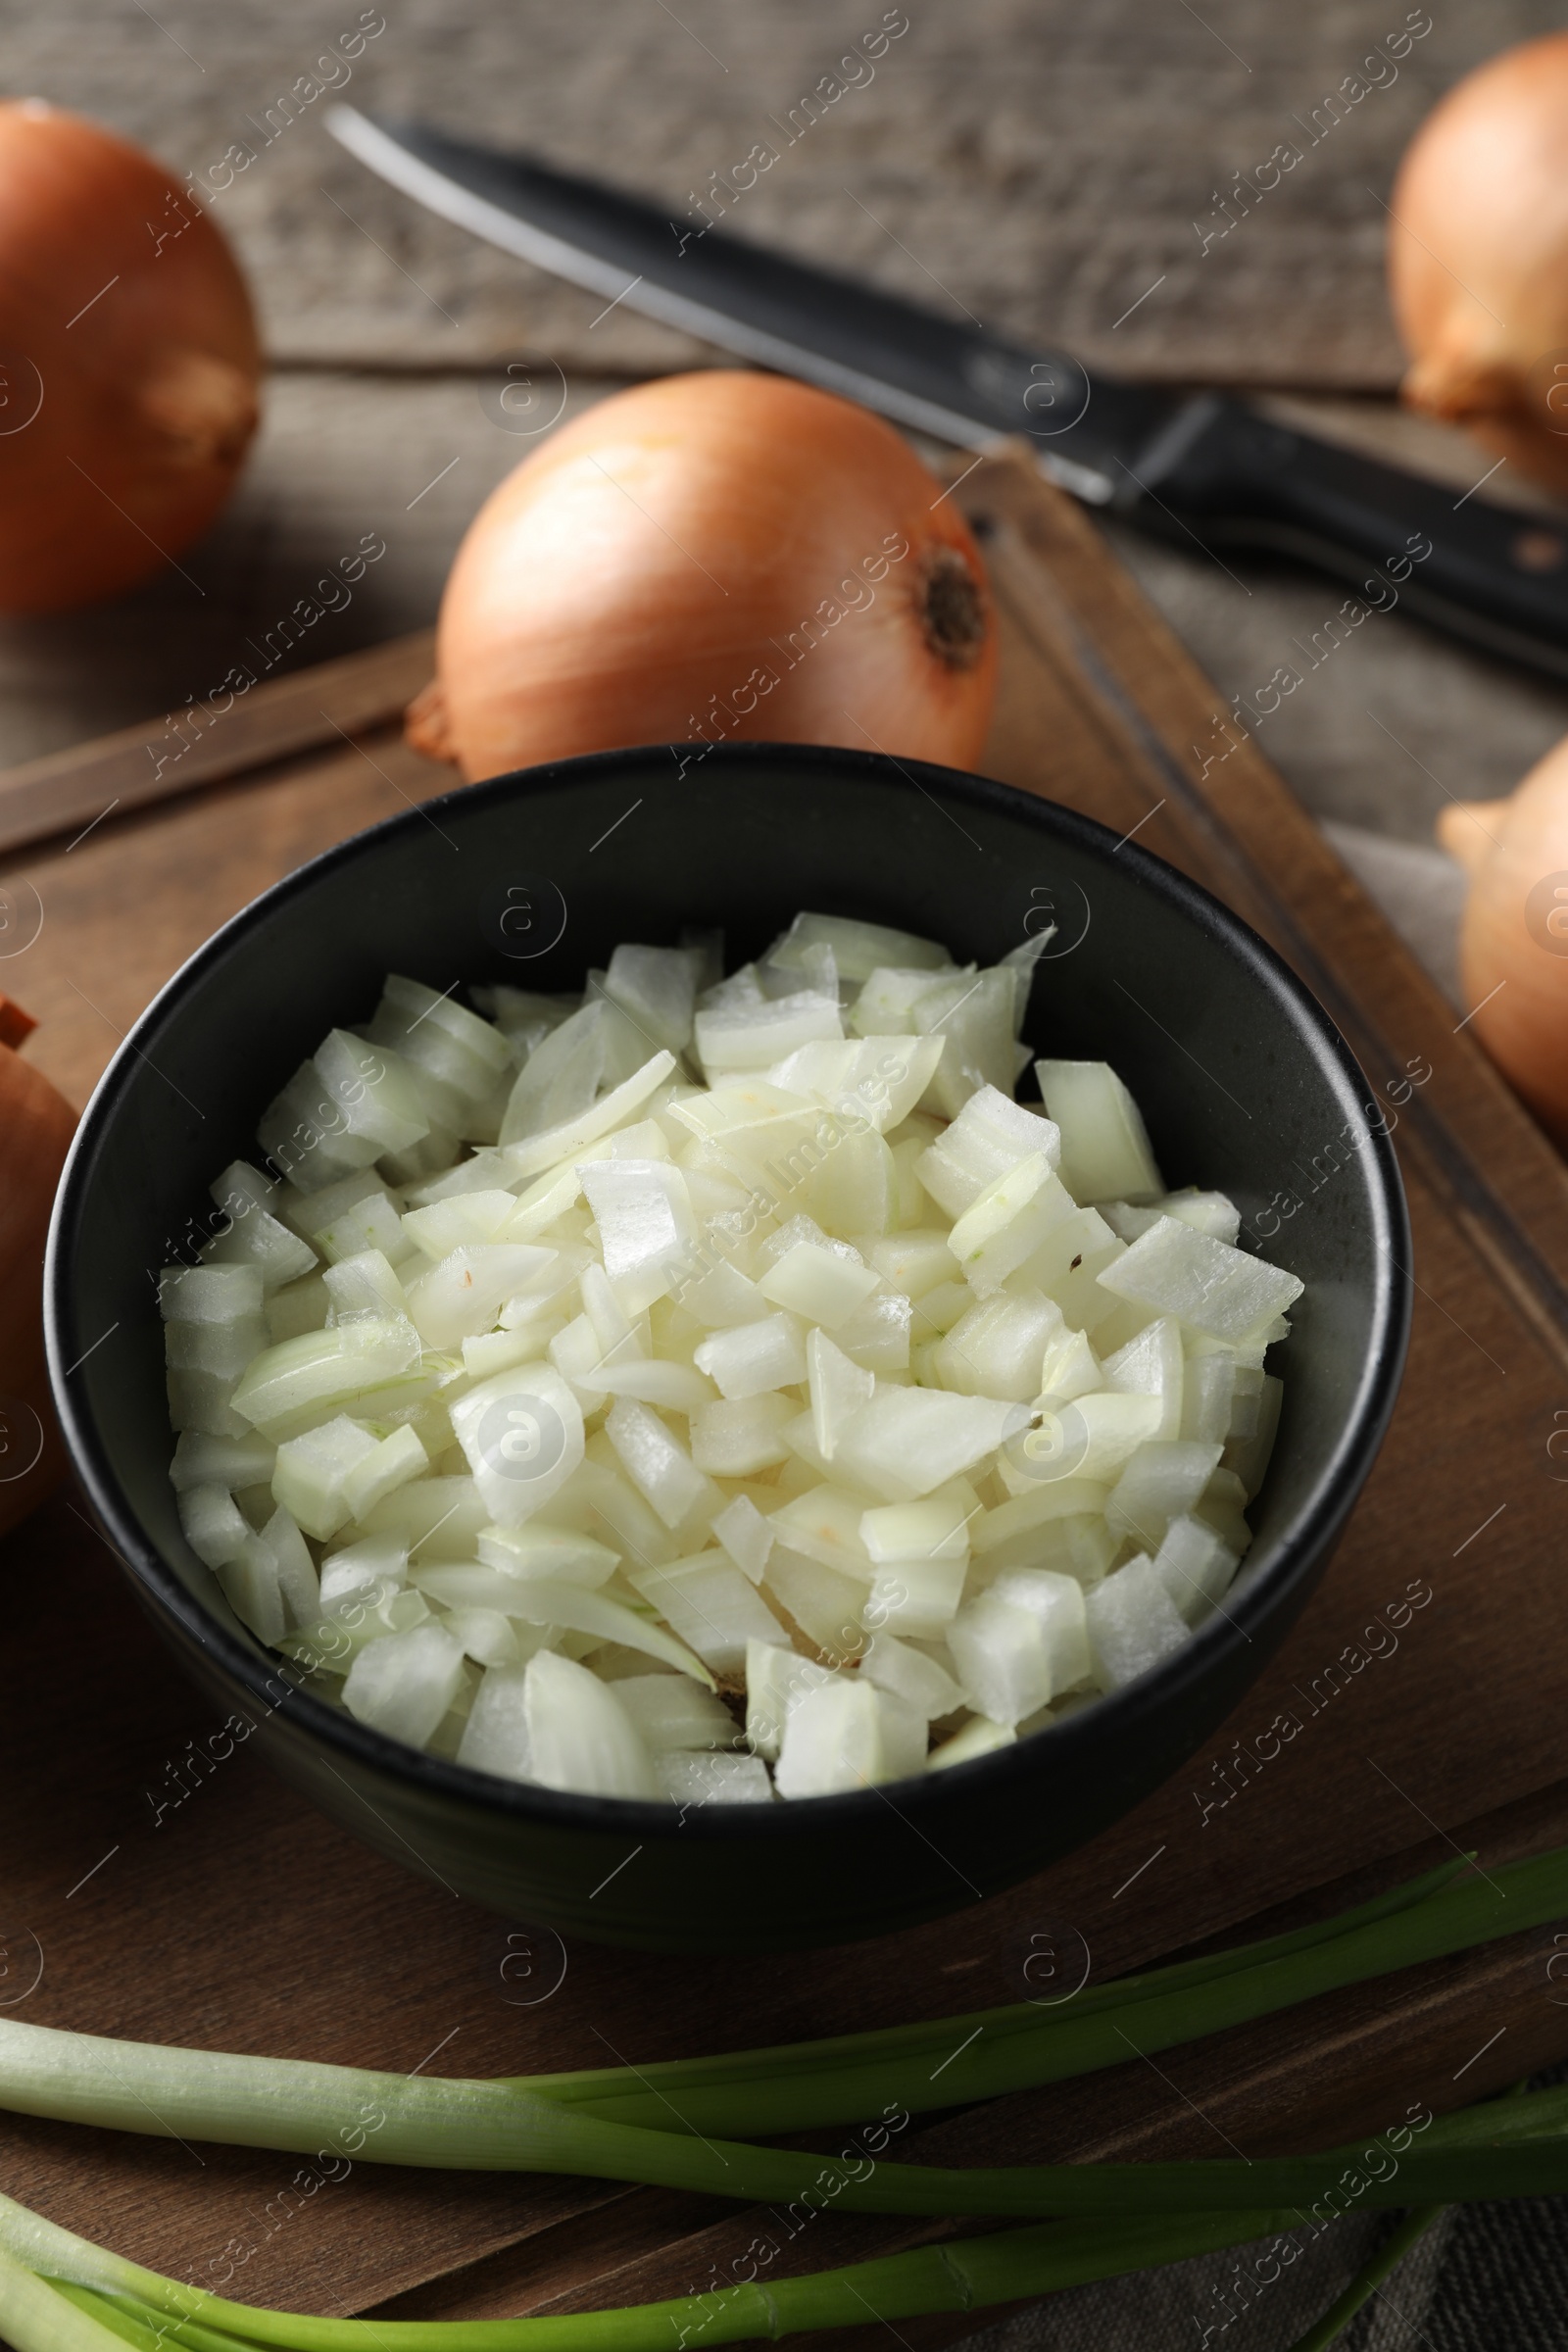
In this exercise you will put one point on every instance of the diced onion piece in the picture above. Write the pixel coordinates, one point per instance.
(376, 1564)
(825, 1524)
(579, 1736)
(711, 1606)
(560, 1078)
(555, 1551)
(752, 1037)
(547, 1149)
(221, 1348)
(551, 1600)
(909, 1441)
(398, 1459)
(845, 1177)
(915, 1597)
(366, 1283)
(737, 1439)
(719, 1295)
(300, 1383)
(495, 1737)
(750, 1358)
(213, 1524)
(373, 1090)
(311, 1470)
(879, 1079)
(486, 1635)
(1018, 1645)
(975, 1019)
(210, 1294)
(914, 1261)
(937, 1529)
(997, 1348)
(842, 1737)
(857, 948)
(1213, 1214)
(1038, 1504)
(690, 1780)
(1196, 1567)
(775, 1681)
(1160, 1482)
(876, 1336)
(738, 1103)
(745, 1536)
(455, 1224)
(909, 1674)
(659, 1466)
(817, 1284)
(251, 1586)
(979, 1737)
(602, 1501)
(1093, 1437)
(838, 1387)
(673, 1712)
(471, 1585)
(656, 988)
(1153, 1364)
(1132, 1623)
(457, 1059)
(255, 1238)
(371, 1222)
(1249, 1455)
(1219, 1290)
(1009, 1221)
(826, 1605)
(675, 1387)
(404, 1684)
(521, 1433)
(200, 1401)
(439, 1518)
(201, 1461)
(990, 1135)
(1070, 1367)
(646, 1226)
(464, 1294)
(1106, 1151)
(297, 1579)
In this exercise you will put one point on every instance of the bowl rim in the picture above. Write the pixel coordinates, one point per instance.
(1299, 1548)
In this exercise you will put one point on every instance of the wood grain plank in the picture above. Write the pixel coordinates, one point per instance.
(223, 739)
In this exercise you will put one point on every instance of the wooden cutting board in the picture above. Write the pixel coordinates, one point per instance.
(152, 1890)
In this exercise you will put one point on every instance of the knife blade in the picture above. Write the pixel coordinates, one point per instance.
(1196, 467)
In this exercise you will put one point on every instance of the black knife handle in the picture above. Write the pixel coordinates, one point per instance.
(1226, 476)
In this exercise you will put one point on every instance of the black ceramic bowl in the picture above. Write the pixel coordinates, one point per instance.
(535, 878)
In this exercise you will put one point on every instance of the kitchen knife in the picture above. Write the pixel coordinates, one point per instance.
(1198, 467)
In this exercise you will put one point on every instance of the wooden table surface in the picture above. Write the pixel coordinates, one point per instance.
(1031, 161)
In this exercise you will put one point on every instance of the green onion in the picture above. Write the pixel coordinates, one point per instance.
(627, 2094)
(507, 2124)
(1021, 2047)
(1343, 2310)
(962, 2275)
(35, 2317)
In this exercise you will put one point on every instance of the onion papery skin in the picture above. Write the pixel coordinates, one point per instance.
(1513, 943)
(1478, 258)
(713, 558)
(128, 366)
(36, 1125)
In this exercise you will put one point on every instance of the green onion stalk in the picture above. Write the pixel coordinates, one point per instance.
(475, 2126)
(59, 2293)
(663, 2126)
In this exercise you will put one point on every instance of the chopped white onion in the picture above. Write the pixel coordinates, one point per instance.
(548, 1390)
